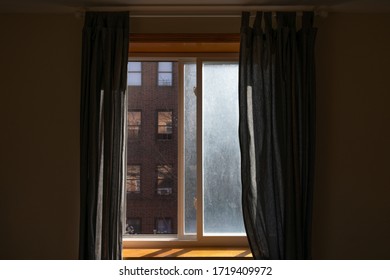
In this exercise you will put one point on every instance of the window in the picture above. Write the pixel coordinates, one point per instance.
(134, 124)
(133, 182)
(164, 125)
(134, 74)
(197, 181)
(164, 179)
(133, 226)
(164, 73)
(164, 225)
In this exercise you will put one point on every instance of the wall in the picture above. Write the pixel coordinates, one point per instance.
(39, 144)
(39, 118)
(351, 213)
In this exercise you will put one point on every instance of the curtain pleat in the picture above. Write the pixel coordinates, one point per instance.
(102, 115)
(277, 133)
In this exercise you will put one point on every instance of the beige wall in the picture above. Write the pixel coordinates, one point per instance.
(352, 209)
(39, 145)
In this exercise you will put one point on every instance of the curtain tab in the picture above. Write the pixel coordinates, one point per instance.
(268, 21)
(307, 19)
(257, 23)
(245, 19)
(286, 19)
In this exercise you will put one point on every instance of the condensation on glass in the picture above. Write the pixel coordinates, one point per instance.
(221, 152)
(190, 162)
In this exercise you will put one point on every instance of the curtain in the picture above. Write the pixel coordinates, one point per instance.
(277, 133)
(102, 117)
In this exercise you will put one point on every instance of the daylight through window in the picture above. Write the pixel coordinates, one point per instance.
(190, 185)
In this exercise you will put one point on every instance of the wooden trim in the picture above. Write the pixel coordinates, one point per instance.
(184, 37)
(183, 43)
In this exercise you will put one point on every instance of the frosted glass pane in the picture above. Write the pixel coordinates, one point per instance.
(190, 148)
(221, 152)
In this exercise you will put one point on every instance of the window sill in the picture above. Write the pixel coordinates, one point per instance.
(188, 253)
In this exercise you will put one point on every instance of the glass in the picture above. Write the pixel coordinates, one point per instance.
(164, 179)
(133, 183)
(134, 124)
(133, 226)
(221, 151)
(134, 76)
(164, 125)
(165, 73)
(190, 163)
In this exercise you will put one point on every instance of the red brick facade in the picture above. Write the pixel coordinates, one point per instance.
(150, 150)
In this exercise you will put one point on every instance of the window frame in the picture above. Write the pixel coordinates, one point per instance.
(219, 54)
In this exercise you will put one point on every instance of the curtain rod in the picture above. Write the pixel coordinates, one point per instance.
(158, 11)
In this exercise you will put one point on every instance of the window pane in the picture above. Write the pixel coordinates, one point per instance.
(190, 148)
(164, 130)
(164, 225)
(133, 226)
(151, 202)
(134, 66)
(164, 79)
(222, 182)
(164, 179)
(133, 183)
(134, 124)
(165, 66)
(134, 76)
(165, 73)
(134, 79)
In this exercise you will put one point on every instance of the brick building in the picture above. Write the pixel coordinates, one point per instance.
(152, 148)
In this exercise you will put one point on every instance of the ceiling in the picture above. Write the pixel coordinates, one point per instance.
(72, 6)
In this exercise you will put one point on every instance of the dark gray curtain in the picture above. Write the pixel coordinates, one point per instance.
(277, 133)
(102, 116)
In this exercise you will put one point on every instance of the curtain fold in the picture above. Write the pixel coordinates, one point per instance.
(277, 133)
(102, 117)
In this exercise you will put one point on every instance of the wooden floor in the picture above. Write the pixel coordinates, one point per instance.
(188, 253)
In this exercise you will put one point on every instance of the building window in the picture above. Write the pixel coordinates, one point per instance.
(164, 179)
(164, 74)
(164, 225)
(134, 124)
(133, 226)
(164, 125)
(133, 182)
(134, 74)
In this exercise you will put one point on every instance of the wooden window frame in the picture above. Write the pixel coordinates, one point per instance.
(223, 46)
